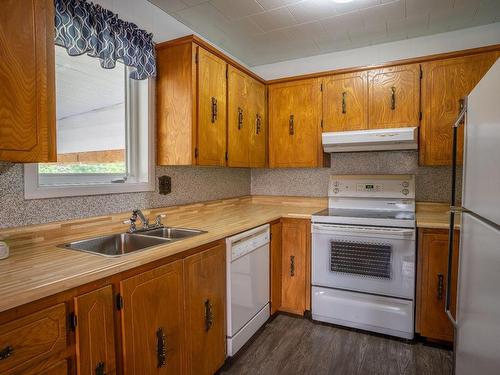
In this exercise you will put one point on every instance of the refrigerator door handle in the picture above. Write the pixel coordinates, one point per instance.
(453, 209)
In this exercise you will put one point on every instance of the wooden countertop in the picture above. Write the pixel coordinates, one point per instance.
(434, 216)
(37, 268)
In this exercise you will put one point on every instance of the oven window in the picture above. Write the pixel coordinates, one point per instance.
(361, 258)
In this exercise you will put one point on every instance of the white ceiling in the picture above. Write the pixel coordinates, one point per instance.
(265, 31)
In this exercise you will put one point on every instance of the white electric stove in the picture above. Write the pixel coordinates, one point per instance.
(363, 254)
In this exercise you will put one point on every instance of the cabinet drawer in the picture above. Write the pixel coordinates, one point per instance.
(30, 339)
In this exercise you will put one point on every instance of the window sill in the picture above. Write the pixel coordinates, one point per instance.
(33, 191)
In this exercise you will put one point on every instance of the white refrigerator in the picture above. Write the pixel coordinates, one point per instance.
(477, 322)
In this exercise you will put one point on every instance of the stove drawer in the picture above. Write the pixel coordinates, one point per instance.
(385, 315)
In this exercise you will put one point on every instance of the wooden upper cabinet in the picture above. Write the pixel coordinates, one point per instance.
(211, 109)
(444, 84)
(95, 332)
(295, 124)
(176, 104)
(27, 89)
(434, 323)
(205, 287)
(191, 106)
(394, 97)
(345, 102)
(153, 321)
(295, 266)
(238, 119)
(246, 126)
(257, 123)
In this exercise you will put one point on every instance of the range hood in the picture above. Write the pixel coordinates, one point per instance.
(371, 140)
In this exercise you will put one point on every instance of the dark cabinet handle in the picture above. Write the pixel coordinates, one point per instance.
(440, 286)
(209, 315)
(214, 109)
(161, 348)
(240, 118)
(393, 98)
(291, 128)
(6, 352)
(258, 123)
(100, 369)
(292, 265)
(344, 106)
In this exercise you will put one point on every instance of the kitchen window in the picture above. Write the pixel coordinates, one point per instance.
(104, 132)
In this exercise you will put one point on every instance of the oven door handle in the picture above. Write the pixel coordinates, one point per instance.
(361, 230)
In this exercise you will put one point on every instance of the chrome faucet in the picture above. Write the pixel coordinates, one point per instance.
(145, 222)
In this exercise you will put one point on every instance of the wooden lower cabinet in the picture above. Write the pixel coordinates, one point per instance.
(276, 266)
(153, 321)
(296, 275)
(95, 332)
(432, 321)
(31, 341)
(205, 310)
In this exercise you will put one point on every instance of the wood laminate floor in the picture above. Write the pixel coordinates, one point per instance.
(289, 345)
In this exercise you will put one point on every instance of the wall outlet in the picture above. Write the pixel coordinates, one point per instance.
(165, 185)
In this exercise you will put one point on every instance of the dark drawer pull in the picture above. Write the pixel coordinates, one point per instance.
(240, 118)
(393, 98)
(209, 315)
(291, 126)
(214, 109)
(344, 105)
(292, 265)
(100, 369)
(6, 352)
(258, 123)
(161, 347)
(440, 286)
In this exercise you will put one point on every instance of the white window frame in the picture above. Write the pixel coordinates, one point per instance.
(33, 189)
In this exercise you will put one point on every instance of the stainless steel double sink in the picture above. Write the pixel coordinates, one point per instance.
(125, 243)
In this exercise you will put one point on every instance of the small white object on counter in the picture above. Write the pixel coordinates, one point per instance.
(4, 250)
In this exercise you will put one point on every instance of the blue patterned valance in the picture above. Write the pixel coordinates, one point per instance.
(83, 27)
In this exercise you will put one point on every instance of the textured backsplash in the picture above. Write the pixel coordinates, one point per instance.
(189, 185)
(433, 184)
(197, 184)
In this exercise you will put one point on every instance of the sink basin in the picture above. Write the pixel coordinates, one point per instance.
(172, 233)
(117, 244)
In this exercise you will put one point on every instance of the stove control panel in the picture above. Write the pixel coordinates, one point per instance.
(374, 186)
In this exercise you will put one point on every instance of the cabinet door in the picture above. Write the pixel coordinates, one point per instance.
(205, 286)
(257, 120)
(27, 89)
(238, 119)
(294, 124)
(445, 84)
(211, 109)
(95, 332)
(394, 97)
(276, 266)
(345, 102)
(434, 323)
(295, 265)
(153, 321)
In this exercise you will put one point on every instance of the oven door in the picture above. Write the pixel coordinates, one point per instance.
(366, 259)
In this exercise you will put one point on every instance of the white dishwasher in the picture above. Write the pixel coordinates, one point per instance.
(247, 285)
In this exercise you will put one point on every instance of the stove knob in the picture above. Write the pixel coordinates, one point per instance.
(405, 184)
(336, 190)
(405, 191)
